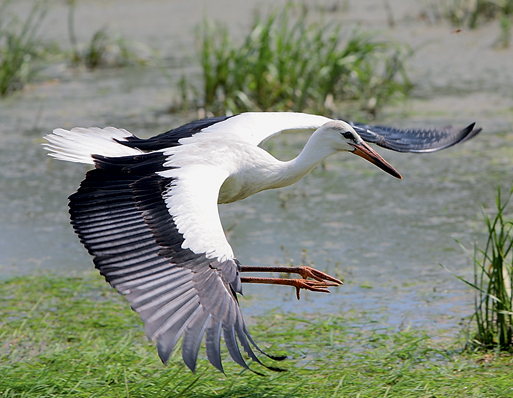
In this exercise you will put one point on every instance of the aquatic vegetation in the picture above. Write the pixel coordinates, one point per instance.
(18, 46)
(75, 336)
(104, 49)
(505, 36)
(23, 53)
(493, 279)
(287, 63)
(472, 13)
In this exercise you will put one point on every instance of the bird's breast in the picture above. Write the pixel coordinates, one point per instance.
(243, 184)
(250, 168)
(258, 171)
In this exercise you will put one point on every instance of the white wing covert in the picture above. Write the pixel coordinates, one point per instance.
(258, 127)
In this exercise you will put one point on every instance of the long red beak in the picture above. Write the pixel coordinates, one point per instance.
(366, 152)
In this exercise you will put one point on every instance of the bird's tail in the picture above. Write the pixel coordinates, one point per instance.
(79, 144)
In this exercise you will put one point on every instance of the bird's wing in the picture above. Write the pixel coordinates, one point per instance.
(156, 237)
(258, 127)
(251, 127)
(415, 140)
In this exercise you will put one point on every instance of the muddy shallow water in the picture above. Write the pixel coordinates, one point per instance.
(385, 237)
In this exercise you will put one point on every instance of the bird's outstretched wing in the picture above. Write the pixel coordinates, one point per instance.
(415, 140)
(258, 127)
(251, 127)
(152, 223)
(155, 235)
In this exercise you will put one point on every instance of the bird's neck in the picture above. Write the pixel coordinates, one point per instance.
(269, 173)
(312, 154)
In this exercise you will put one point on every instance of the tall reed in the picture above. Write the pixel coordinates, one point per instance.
(287, 63)
(493, 279)
(18, 46)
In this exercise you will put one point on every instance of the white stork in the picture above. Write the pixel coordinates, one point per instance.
(148, 213)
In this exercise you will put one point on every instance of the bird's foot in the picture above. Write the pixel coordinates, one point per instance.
(312, 285)
(319, 281)
(309, 272)
(307, 284)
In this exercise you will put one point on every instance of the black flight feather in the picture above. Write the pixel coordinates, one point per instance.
(120, 215)
(415, 140)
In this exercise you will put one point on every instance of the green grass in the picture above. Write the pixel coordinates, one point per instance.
(19, 46)
(285, 62)
(63, 337)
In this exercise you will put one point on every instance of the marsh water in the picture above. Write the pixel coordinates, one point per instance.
(386, 238)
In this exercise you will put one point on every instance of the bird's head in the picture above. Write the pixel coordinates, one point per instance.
(340, 136)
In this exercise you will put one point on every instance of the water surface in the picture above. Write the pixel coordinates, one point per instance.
(385, 237)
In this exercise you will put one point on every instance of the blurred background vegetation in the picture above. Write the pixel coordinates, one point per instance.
(266, 69)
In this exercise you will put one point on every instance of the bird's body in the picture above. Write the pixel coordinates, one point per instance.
(148, 212)
(247, 169)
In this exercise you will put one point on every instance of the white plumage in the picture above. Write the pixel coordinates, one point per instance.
(198, 221)
(78, 144)
(148, 213)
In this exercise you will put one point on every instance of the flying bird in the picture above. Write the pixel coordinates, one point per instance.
(148, 214)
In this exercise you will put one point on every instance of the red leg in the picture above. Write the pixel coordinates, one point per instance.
(320, 284)
(305, 272)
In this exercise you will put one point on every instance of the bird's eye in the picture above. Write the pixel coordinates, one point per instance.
(348, 135)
